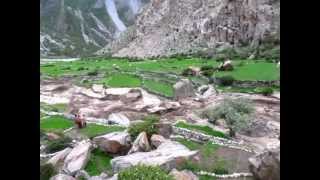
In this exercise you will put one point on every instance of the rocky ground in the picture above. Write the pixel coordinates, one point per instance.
(124, 106)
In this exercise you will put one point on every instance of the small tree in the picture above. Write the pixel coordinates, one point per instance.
(236, 112)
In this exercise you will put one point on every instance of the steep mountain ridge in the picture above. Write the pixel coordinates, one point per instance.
(81, 27)
(166, 27)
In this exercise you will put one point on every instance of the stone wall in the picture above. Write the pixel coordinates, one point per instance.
(188, 134)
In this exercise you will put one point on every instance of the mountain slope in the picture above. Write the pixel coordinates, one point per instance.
(81, 27)
(167, 27)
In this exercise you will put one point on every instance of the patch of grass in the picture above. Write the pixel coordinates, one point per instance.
(158, 87)
(47, 171)
(58, 144)
(148, 126)
(203, 129)
(123, 80)
(206, 149)
(143, 172)
(209, 161)
(254, 70)
(55, 124)
(99, 162)
(206, 177)
(93, 130)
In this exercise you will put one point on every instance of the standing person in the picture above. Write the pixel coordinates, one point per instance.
(78, 121)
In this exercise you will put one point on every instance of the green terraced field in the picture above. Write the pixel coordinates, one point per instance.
(148, 73)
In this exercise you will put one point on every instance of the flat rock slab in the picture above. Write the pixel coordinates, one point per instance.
(78, 157)
(62, 177)
(169, 155)
(113, 142)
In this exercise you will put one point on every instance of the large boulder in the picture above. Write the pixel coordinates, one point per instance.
(183, 89)
(132, 96)
(141, 144)
(97, 88)
(205, 91)
(266, 165)
(59, 157)
(119, 118)
(157, 140)
(183, 175)
(168, 155)
(164, 129)
(62, 177)
(226, 66)
(78, 157)
(114, 142)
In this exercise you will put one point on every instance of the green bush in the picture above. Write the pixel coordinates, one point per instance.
(148, 126)
(143, 172)
(236, 112)
(206, 67)
(47, 171)
(266, 91)
(80, 69)
(58, 144)
(226, 80)
(93, 73)
(207, 73)
(186, 72)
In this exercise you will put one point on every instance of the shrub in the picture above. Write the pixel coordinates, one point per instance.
(187, 72)
(148, 126)
(207, 73)
(47, 171)
(80, 69)
(226, 80)
(206, 67)
(236, 112)
(143, 172)
(58, 145)
(266, 91)
(93, 73)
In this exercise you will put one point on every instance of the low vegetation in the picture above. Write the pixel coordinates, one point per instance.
(208, 162)
(99, 162)
(143, 172)
(203, 129)
(47, 171)
(123, 80)
(148, 126)
(236, 112)
(159, 87)
(58, 144)
(55, 124)
(93, 130)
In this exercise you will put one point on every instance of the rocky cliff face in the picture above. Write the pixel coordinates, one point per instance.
(80, 27)
(167, 27)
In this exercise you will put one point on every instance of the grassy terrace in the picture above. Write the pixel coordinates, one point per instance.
(55, 124)
(159, 87)
(253, 70)
(93, 130)
(59, 124)
(203, 129)
(208, 159)
(119, 72)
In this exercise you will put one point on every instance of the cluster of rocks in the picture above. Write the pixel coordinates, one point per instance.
(167, 154)
(266, 165)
